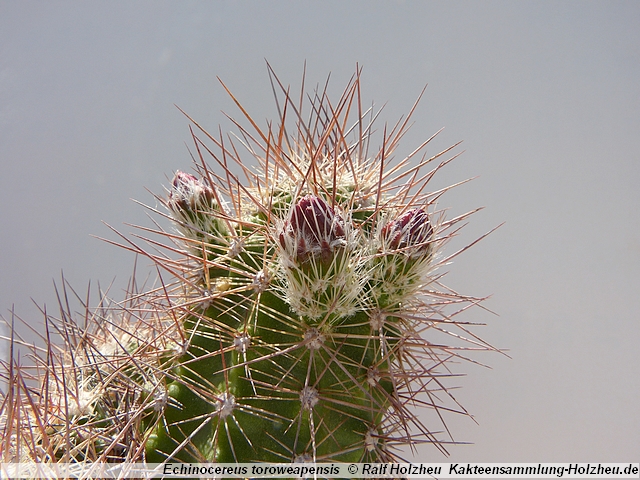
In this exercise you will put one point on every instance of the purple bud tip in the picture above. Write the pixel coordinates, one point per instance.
(188, 192)
(314, 228)
(411, 231)
(182, 179)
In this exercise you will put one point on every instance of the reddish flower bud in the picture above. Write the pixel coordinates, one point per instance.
(189, 193)
(411, 232)
(312, 228)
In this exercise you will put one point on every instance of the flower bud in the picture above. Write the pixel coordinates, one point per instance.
(312, 228)
(189, 194)
(198, 211)
(411, 233)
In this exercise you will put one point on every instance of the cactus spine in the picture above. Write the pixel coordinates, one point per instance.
(304, 318)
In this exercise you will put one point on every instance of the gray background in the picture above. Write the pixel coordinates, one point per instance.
(545, 96)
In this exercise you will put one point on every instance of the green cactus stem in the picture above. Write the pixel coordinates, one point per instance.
(299, 313)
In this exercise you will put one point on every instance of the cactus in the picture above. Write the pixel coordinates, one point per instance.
(298, 313)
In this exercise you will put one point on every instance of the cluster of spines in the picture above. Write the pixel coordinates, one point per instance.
(294, 328)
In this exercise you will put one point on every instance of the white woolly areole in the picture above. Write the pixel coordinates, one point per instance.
(160, 398)
(370, 440)
(225, 405)
(83, 403)
(373, 376)
(236, 247)
(303, 458)
(377, 318)
(261, 281)
(242, 342)
(313, 338)
(309, 397)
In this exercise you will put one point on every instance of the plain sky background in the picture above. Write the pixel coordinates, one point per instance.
(545, 95)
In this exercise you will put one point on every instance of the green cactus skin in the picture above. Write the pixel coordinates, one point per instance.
(304, 321)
